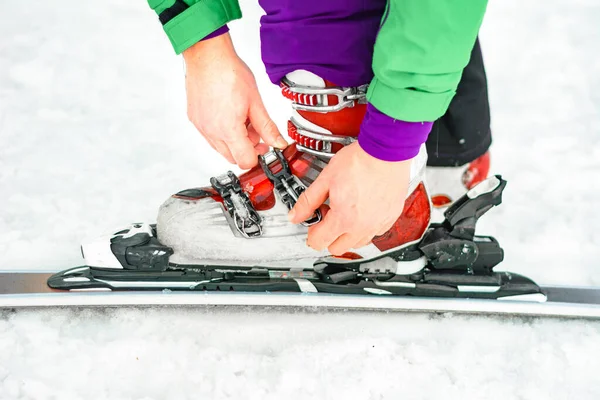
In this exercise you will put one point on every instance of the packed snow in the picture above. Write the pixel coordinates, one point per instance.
(94, 135)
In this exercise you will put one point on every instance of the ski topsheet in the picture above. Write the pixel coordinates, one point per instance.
(29, 289)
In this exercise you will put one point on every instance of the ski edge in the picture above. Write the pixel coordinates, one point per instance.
(302, 301)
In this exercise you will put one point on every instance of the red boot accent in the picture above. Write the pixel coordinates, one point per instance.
(440, 200)
(477, 172)
(260, 188)
(411, 225)
(350, 255)
(345, 122)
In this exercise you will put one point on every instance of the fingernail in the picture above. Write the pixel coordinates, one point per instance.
(291, 215)
(281, 142)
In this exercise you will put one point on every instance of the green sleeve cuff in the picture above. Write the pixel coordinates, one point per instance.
(407, 104)
(199, 20)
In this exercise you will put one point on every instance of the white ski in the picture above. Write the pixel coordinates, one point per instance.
(20, 289)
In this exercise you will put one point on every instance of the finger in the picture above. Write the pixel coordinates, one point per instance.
(343, 244)
(221, 147)
(265, 126)
(261, 148)
(242, 149)
(320, 236)
(324, 210)
(253, 135)
(365, 241)
(311, 199)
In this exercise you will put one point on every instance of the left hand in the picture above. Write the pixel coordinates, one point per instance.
(366, 196)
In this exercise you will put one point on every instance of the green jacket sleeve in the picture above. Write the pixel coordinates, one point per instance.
(188, 21)
(420, 52)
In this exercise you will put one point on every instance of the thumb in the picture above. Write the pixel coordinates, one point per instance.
(265, 126)
(311, 199)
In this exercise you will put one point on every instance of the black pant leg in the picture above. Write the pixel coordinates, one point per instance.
(463, 133)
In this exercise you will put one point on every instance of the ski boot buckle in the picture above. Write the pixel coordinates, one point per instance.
(307, 98)
(286, 184)
(312, 142)
(238, 205)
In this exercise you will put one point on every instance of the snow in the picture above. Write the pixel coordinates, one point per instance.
(184, 354)
(94, 135)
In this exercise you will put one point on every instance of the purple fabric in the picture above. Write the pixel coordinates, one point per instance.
(218, 32)
(334, 39)
(390, 139)
(330, 38)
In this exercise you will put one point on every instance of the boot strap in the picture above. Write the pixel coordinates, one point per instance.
(330, 99)
(319, 144)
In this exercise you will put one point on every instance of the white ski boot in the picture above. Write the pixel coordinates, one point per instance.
(243, 221)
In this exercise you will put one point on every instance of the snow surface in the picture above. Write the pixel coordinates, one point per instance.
(94, 135)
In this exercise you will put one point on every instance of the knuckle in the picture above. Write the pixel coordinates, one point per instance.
(344, 221)
(340, 223)
(269, 129)
(333, 164)
(303, 201)
(228, 135)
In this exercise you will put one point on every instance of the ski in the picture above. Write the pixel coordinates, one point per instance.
(22, 289)
(450, 269)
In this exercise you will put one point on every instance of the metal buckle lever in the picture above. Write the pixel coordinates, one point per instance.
(327, 140)
(238, 205)
(287, 185)
(346, 96)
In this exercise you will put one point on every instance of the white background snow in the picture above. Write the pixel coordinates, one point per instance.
(94, 135)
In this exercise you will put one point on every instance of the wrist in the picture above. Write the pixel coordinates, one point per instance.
(210, 48)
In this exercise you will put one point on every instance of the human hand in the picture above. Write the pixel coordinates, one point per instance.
(224, 103)
(366, 196)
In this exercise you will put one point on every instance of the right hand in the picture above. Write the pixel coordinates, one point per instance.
(366, 197)
(224, 103)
